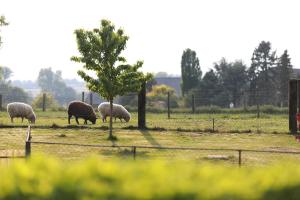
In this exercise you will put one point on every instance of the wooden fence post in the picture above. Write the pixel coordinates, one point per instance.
(293, 106)
(1, 108)
(168, 105)
(240, 158)
(91, 99)
(82, 96)
(44, 102)
(28, 143)
(134, 152)
(193, 104)
(142, 107)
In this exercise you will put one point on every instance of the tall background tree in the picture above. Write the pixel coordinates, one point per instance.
(100, 51)
(233, 81)
(284, 73)
(52, 82)
(262, 73)
(190, 71)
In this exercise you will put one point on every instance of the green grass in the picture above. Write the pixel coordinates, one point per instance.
(232, 131)
(223, 123)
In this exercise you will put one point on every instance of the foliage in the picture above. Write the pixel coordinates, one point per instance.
(2, 23)
(9, 92)
(50, 101)
(284, 72)
(5, 74)
(208, 91)
(233, 80)
(100, 51)
(190, 70)
(159, 95)
(42, 178)
(52, 82)
(262, 73)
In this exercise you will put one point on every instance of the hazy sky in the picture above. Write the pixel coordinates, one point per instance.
(41, 33)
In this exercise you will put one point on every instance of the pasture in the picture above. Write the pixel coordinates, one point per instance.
(231, 131)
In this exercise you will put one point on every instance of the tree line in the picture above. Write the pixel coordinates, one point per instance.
(264, 82)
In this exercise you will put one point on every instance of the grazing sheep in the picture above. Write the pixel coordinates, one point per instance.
(118, 111)
(23, 110)
(83, 110)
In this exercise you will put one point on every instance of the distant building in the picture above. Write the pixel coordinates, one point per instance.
(173, 82)
(295, 73)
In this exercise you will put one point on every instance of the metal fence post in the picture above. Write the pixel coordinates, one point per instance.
(28, 143)
(44, 102)
(168, 105)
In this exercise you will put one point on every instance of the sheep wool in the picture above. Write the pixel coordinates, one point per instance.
(118, 111)
(22, 110)
(83, 110)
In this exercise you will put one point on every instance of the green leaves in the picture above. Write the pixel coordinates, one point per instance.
(2, 23)
(100, 51)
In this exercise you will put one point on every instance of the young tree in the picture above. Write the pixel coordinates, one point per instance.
(190, 71)
(100, 51)
(284, 72)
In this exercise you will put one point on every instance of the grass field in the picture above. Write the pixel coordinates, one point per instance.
(223, 123)
(232, 131)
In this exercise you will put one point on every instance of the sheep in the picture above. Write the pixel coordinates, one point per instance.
(118, 111)
(81, 110)
(23, 110)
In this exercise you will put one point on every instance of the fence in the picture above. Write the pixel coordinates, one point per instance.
(74, 151)
(244, 119)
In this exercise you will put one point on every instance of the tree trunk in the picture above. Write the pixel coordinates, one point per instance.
(110, 119)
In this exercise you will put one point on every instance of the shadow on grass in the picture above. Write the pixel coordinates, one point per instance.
(149, 138)
(127, 152)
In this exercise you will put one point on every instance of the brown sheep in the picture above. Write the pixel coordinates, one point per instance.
(80, 109)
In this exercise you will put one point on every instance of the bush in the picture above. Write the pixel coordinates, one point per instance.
(42, 178)
(51, 103)
(158, 97)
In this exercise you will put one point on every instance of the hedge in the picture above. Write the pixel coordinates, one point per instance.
(48, 178)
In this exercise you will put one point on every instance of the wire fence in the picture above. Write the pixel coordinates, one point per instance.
(68, 151)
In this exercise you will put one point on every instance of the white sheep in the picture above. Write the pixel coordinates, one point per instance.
(23, 110)
(118, 111)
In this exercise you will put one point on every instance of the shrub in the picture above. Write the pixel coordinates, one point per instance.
(42, 178)
(158, 97)
(50, 101)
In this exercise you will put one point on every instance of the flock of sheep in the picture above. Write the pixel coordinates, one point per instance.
(77, 109)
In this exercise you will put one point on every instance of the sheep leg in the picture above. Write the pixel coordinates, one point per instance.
(69, 119)
(77, 120)
(12, 120)
(85, 121)
(22, 119)
(115, 119)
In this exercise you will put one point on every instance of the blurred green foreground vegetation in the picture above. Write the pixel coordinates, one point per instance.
(94, 178)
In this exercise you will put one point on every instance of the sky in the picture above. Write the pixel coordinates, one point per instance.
(41, 32)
